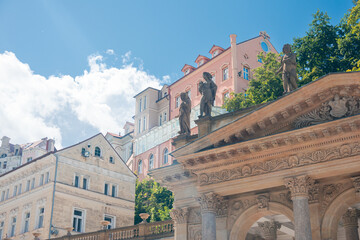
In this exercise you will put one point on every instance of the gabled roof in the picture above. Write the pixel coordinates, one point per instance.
(148, 88)
(277, 116)
(200, 57)
(214, 48)
(186, 66)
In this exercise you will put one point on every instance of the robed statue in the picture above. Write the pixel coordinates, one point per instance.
(184, 114)
(208, 91)
(288, 69)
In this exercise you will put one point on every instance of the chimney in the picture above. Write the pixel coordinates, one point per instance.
(234, 66)
(51, 145)
(5, 142)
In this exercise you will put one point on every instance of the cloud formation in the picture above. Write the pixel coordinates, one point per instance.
(33, 106)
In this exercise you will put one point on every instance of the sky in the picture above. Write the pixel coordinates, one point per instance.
(69, 69)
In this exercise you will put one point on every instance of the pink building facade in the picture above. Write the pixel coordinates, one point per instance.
(231, 69)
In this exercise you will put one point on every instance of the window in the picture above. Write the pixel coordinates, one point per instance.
(213, 78)
(144, 124)
(187, 71)
(16, 152)
(160, 119)
(2, 195)
(3, 155)
(246, 73)
(144, 102)
(20, 189)
(177, 102)
(27, 185)
(140, 105)
(47, 177)
(29, 159)
(189, 93)
(85, 183)
(7, 193)
(1, 229)
(216, 53)
(225, 73)
(111, 221)
(4, 164)
(15, 191)
(78, 220)
(97, 152)
(83, 152)
(140, 167)
(114, 191)
(165, 117)
(12, 226)
(41, 180)
(264, 46)
(201, 62)
(139, 125)
(111, 160)
(106, 189)
(76, 181)
(26, 222)
(40, 222)
(151, 161)
(166, 156)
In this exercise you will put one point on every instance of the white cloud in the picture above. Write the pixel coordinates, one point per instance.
(110, 52)
(101, 98)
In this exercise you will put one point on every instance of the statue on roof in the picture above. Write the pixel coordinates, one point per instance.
(208, 92)
(184, 114)
(288, 69)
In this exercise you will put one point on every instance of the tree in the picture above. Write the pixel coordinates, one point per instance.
(264, 87)
(317, 51)
(153, 199)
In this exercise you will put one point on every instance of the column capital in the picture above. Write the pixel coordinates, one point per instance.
(180, 215)
(210, 202)
(269, 229)
(299, 185)
(350, 218)
(356, 183)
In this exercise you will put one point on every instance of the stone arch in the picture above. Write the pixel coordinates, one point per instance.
(244, 222)
(333, 213)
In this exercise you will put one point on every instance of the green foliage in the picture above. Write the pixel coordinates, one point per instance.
(153, 199)
(265, 86)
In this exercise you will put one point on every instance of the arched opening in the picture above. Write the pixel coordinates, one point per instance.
(247, 224)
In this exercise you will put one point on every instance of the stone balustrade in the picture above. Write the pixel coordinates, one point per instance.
(155, 230)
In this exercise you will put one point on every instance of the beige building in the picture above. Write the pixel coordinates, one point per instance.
(78, 186)
(288, 169)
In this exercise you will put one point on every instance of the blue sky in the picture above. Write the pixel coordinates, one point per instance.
(148, 40)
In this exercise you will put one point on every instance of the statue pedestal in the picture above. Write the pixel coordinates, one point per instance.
(204, 125)
(183, 139)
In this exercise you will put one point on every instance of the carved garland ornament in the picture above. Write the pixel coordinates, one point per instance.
(180, 215)
(336, 108)
(273, 165)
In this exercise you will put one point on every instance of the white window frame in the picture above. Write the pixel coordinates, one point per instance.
(2, 224)
(28, 184)
(246, 74)
(32, 183)
(78, 183)
(144, 102)
(41, 182)
(47, 177)
(177, 101)
(26, 222)
(116, 190)
(87, 182)
(101, 153)
(83, 217)
(225, 74)
(107, 187)
(144, 123)
(12, 226)
(112, 223)
(38, 215)
(15, 190)
(19, 189)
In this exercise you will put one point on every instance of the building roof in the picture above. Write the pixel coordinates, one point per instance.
(148, 88)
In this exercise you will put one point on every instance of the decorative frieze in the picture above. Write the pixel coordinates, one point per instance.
(180, 215)
(299, 185)
(276, 164)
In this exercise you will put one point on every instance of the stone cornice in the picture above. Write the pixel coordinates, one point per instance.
(271, 146)
(278, 115)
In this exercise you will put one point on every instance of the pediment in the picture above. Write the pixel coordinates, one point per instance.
(330, 98)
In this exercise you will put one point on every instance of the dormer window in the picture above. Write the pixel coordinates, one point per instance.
(201, 62)
(187, 71)
(215, 53)
(215, 50)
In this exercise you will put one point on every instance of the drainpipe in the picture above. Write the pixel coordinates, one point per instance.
(234, 65)
(53, 197)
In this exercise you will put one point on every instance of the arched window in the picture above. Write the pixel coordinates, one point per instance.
(166, 156)
(151, 161)
(140, 167)
(3, 155)
(97, 152)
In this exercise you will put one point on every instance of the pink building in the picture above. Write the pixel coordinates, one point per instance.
(157, 110)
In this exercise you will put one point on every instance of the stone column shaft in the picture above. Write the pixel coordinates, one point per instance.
(209, 205)
(351, 226)
(299, 187)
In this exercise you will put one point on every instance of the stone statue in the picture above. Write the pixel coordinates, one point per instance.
(184, 114)
(288, 68)
(208, 91)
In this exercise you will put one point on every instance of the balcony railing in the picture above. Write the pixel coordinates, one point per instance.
(155, 230)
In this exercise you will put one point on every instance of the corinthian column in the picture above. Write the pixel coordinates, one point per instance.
(350, 219)
(299, 187)
(269, 229)
(180, 217)
(209, 204)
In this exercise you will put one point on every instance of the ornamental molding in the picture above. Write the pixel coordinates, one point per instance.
(350, 218)
(356, 183)
(27, 206)
(329, 193)
(3, 215)
(299, 186)
(263, 201)
(180, 216)
(269, 228)
(254, 149)
(41, 201)
(277, 164)
(195, 232)
(14, 211)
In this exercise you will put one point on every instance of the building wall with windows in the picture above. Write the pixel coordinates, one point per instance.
(68, 188)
